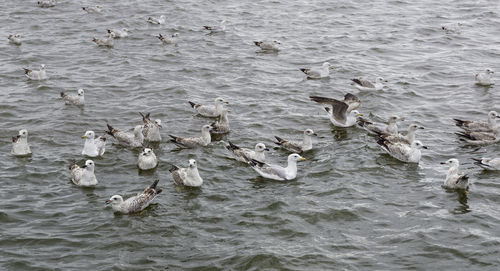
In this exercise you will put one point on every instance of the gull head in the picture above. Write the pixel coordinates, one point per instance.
(147, 152)
(490, 71)
(125, 29)
(380, 80)
(356, 113)
(327, 65)
(206, 128)
(42, 67)
(138, 129)
(414, 127)
(23, 133)
(158, 123)
(88, 134)
(493, 114)
(451, 162)
(175, 35)
(89, 164)
(418, 144)
(295, 158)
(80, 92)
(310, 132)
(260, 147)
(115, 200)
(220, 100)
(276, 42)
(393, 119)
(192, 163)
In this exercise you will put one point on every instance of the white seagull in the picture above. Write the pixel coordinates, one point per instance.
(480, 138)
(341, 113)
(107, 42)
(36, 75)
(479, 126)
(83, 176)
(173, 39)
(191, 142)
(363, 84)
(276, 172)
(46, 3)
(135, 203)
(403, 151)
(485, 78)
(317, 73)
(208, 110)
(222, 125)
(374, 128)
(118, 33)
(78, 99)
(147, 159)
(15, 39)
(151, 130)
(297, 147)
(408, 138)
(20, 146)
(93, 147)
(218, 28)
(134, 139)
(159, 20)
(92, 9)
(187, 176)
(244, 154)
(268, 46)
(453, 179)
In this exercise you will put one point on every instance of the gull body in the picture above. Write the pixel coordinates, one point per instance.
(222, 125)
(134, 139)
(480, 126)
(317, 73)
(173, 39)
(403, 151)
(374, 128)
(118, 33)
(78, 99)
(454, 180)
(46, 3)
(20, 146)
(244, 154)
(15, 39)
(83, 176)
(488, 163)
(268, 46)
(341, 113)
(106, 42)
(187, 176)
(93, 147)
(136, 203)
(147, 159)
(363, 84)
(276, 172)
(208, 110)
(297, 147)
(159, 20)
(485, 78)
(218, 28)
(92, 9)
(36, 75)
(191, 142)
(151, 129)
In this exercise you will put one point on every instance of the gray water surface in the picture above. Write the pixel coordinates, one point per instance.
(352, 207)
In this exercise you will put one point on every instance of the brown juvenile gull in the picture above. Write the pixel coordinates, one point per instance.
(209, 110)
(151, 130)
(191, 142)
(78, 99)
(488, 163)
(479, 126)
(134, 139)
(135, 203)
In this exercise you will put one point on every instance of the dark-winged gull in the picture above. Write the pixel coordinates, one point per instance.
(150, 129)
(275, 172)
(317, 73)
(134, 139)
(453, 179)
(479, 126)
(136, 203)
(191, 142)
(244, 154)
(341, 113)
(83, 176)
(297, 147)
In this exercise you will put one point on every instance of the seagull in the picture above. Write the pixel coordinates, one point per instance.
(20, 146)
(244, 154)
(380, 128)
(117, 33)
(15, 39)
(47, 3)
(134, 139)
(219, 28)
(159, 20)
(317, 73)
(93, 147)
(222, 125)
(107, 42)
(191, 142)
(480, 138)
(276, 172)
(268, 46)
(36, 75)
(485, 78)
(363, 84)
(453, 179)
(83, 176)
(403, 151)
(172, 40)
(77, 99)
(488, 163)
(209, 111)
(407, 139)
(297, 147)
(92, 9)
(479, 126)
(151, 130)
(135, 203)
(147, 159)
(187, 176)
(341, 113)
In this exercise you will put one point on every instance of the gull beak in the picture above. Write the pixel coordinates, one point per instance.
(315, 134)
(302, 159)
(386, 81)
(84, 166)
(159, 125)
(84, 136)
(226, 102)
(331, 67)
(266, 149)
(425, 147)
(108, 201)
(401, 119)
(498, 117)
(420, 127)
(443, 163)
(359, 115)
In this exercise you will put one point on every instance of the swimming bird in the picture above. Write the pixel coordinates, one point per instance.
(107, 42)
(488, 163)
(172, 40)
(134, 139)
(341, 113)
(452, 28)
(118, 33)
(187, 176)
(147, 159)
(92, 9)
(78, 99)
(222, 125)
(36, 75)
(485, 78)
(479, 126)
(268, 46)
(93, 147)
(208, 110)
(408, 138)
(374, 128)
(151, 130)
(297, 147)
(480, 138)
(317, 73)
(20, 146)
(47, 3)
(453, 179)
(191, 142)
(15, 39)
(363, 84)
(218, 28)
(83, 176)
(275, 172)
(159, 20)
(403, 151)
(135, 203)
(244, 154)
